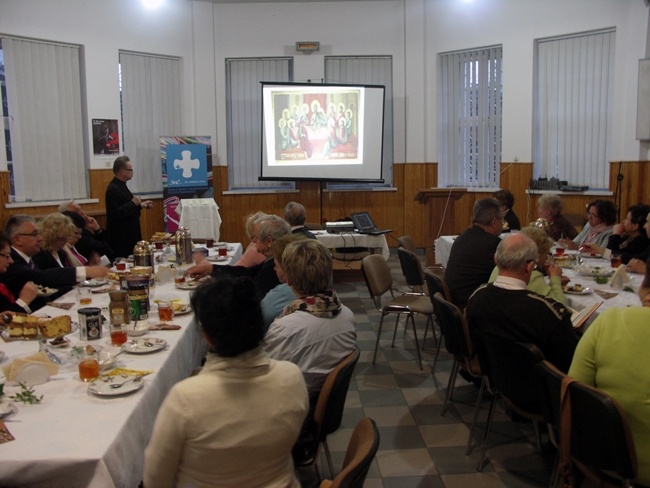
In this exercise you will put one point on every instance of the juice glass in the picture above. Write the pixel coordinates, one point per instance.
(88, 367)
(118, 334)
(84, 294)
(615, 260)
(165, 311)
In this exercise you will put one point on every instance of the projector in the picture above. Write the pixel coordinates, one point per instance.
(339, 227)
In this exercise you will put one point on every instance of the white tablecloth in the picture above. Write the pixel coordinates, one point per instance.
(75, 439)
(354, 239)
(201, 217)
(443, 248)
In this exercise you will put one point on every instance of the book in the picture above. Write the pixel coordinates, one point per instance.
(579, 317)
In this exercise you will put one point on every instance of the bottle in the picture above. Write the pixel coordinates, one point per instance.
(119, 307)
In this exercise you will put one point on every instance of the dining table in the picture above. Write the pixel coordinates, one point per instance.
(376, 243)
(74, 438)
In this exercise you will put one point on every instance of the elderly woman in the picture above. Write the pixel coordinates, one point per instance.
(601, 217)
(628, 238)
(612, 356)
(507, 200)
(549, 207)
(251, 257)
(56, 228)
(235, 422)
(544, 268)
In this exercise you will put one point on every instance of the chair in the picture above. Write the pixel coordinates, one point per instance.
(458, 343)
(412, 270)
(407, 243)
(510, 368)
(362, 448)
(376, 274)
(329, 406)
(550, 395)
(601, 442)
(435, 284)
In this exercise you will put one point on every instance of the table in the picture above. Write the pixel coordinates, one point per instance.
(200, 216)
(74, 439)
(354, 239)
(443, 248)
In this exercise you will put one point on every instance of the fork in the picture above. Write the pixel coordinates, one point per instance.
(120, 385)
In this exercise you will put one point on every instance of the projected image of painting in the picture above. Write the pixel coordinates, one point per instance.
(316, 126)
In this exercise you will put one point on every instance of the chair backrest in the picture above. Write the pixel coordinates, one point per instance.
(550, 393)
(436, 284)
(376, 274)
(600, 435)
(362, 448)
(511, 370)
(407, 243)
(411, 268)
(453, 327)
(331, 400)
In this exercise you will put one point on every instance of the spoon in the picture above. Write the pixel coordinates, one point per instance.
(120, 385)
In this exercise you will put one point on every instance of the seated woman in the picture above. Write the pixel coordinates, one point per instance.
(507, 200)
(612, 356)
(549, 207)
(235, 422)
(251, 257)
(638, 263)
(628, 238)
(537, 283)
(29, 290)
(601, 216)
(74, 256)
(55, 229)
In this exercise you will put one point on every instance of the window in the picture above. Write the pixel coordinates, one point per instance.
(244, 118)
(150, 89)
(367, 70)
(470, 117)
(44, 130)
(573, 83)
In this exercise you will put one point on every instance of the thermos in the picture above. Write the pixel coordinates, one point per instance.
(183, 246)
(143, 254)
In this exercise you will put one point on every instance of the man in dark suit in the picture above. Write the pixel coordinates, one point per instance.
(93, 239)
(123, 209)
(265, 232)
(295, 214)
(471, 259)
(26, 243)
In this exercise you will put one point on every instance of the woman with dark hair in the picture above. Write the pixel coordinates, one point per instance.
(507, 200)
(612, 356)
(7, 299)
(628, 238)
(235, 422)
(601, 217)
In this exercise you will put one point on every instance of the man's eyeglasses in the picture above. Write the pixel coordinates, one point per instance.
(31, 234)
(6, 256)
(130, 170)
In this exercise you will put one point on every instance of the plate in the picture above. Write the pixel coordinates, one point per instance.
(59, 345)
(188, 285)
(6, 407)
(94, 282)
(184, 311)
(216, 259)
(584, 291)
(46, 291)
(144, 345)
(101, 386)
(605, 272)
(590, 255)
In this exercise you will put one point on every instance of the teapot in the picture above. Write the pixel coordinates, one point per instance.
(183, 246)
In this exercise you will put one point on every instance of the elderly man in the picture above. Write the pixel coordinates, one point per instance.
(123, 209)
(266, 230)
(471, 259)
(93, 239)
(507, 309)
(295, 214)
(25, 243)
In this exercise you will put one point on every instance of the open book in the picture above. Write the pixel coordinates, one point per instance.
(579, 317)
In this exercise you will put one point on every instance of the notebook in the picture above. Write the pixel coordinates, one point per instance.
(364, 224)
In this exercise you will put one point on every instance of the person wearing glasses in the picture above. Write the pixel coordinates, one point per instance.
(123, 209)
(26, 240)
(507, 309)
(601, 217)
(471, 258)
(55, 229)
(94, 239)
(27, 294)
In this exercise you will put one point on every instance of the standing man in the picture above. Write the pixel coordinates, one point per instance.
(471, 259)
(123, 209)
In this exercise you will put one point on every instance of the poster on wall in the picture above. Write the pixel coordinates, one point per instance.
(186, 173)
(106, 138)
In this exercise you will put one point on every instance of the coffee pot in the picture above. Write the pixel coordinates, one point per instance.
(183, 246)
(143, 254)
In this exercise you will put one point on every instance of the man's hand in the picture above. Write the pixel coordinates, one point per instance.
(199, 271)
(91, 224)
(147, 204)
(28, 292)
(96, 271)
(136, 200)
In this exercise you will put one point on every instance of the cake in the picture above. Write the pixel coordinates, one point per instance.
(25, 326)
(56, 326)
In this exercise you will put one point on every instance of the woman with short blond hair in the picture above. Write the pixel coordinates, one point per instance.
(55, 229)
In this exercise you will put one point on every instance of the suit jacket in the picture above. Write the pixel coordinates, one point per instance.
(122, 218)
(97, 242)
(303, 230)
(45, 260)
(263, 275)
(19, 273)
(7, 304)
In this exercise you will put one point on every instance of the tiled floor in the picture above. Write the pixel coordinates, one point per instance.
(418, 447)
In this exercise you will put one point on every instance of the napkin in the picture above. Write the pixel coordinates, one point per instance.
(620, 278)
(5, 435)
(105, 289)
(12, 369)
(605, 294)
(128, 372)
(164, 327)
(63, 305)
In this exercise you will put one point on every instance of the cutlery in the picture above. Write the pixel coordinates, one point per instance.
(42, 346)
(120, 385)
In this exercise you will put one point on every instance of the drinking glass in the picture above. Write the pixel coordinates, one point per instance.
(88, 366)
(165, 311)
(615, 260)
(84, 295)
(118, 334)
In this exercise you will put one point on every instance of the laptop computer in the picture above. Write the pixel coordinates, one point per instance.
(364, 224)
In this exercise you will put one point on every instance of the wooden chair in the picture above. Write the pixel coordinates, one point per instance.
(362, 448)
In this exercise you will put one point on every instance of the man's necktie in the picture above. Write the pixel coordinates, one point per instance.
(31, 264)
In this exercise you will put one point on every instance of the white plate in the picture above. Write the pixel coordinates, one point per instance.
(184, 311)
(188, 285)
(6, 407)
(60, 345)
(216, 259)
(46, 291)
(101, 386)
(144, 345)
(585, 291)
(604, 272)
(94, 282)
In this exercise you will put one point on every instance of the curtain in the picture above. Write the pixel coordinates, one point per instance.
(151, 108)
(46, 123)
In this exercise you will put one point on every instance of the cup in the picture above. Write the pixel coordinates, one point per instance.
(559, 249)
(223, 252)
(615, 260)
(120, 264)
(180, 275)
(209, 243)
(118, 334)
(84, 295)
(88, 367)
(158, 245)
(165, 311)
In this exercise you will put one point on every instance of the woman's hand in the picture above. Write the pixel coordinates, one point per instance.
(568, 244)
(636, 266)
(28, 292)
(593, 248)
